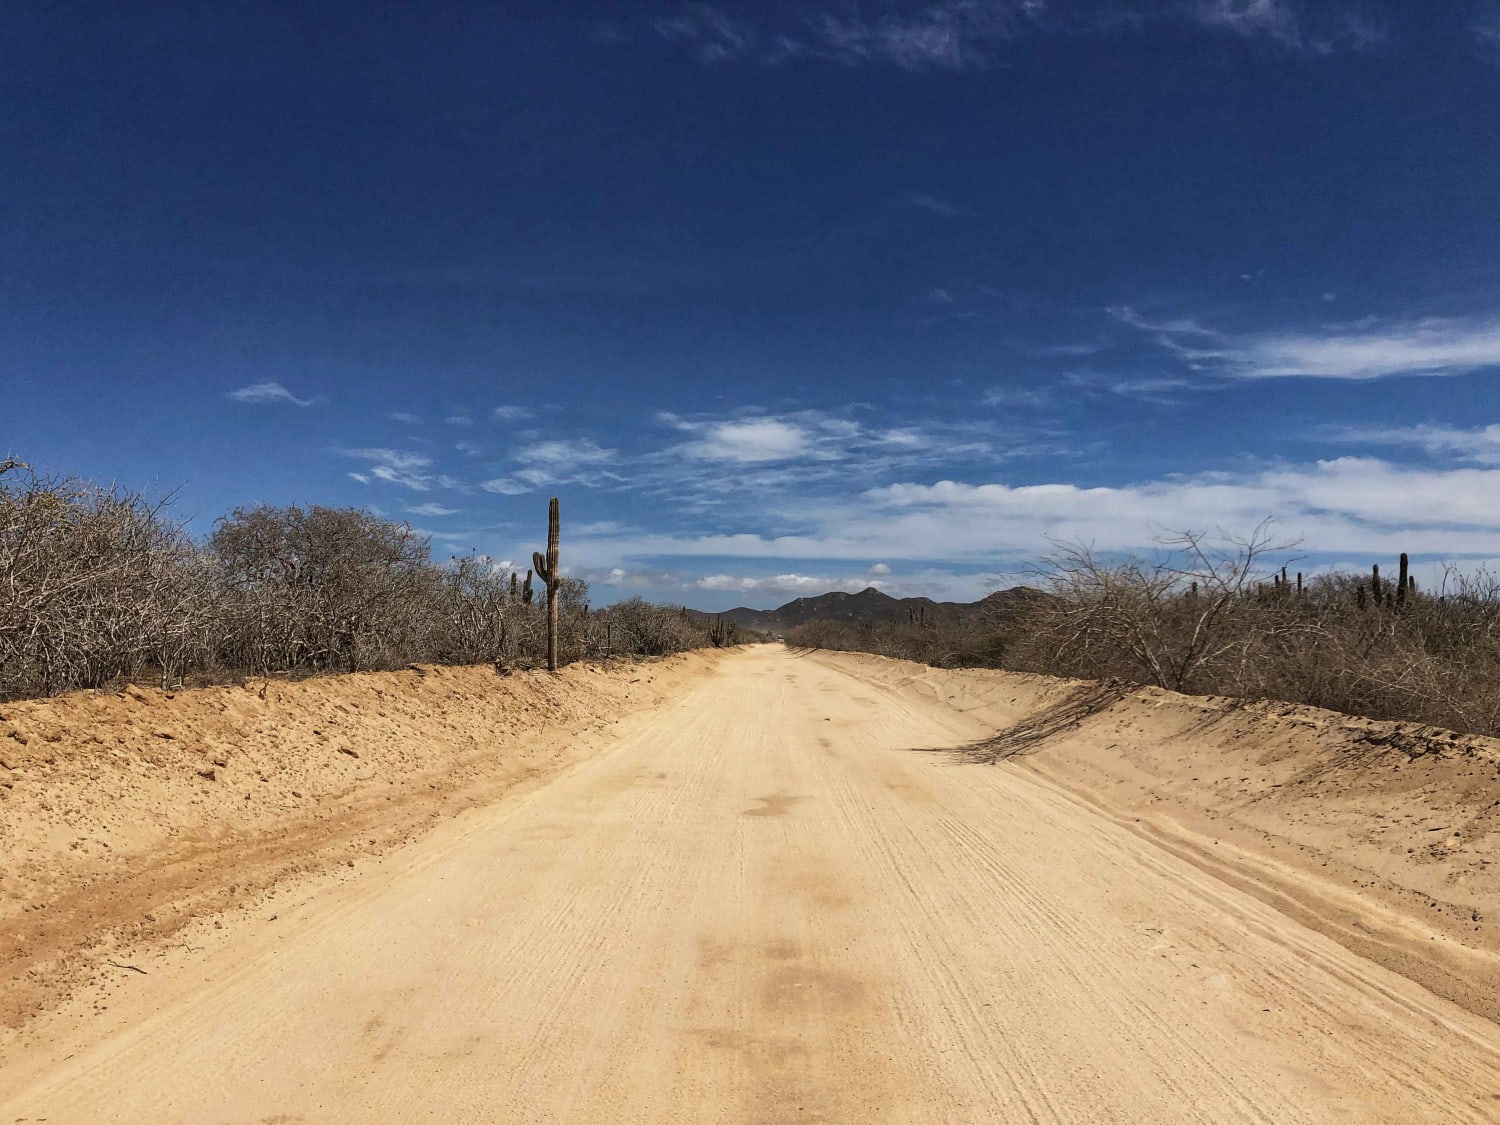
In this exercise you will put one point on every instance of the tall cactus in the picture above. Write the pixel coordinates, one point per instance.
(1402, 582)
(546, 569)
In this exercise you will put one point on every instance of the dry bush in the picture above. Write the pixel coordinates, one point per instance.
(94, 585)
(99, 586)
(1208, 615)
(1175, 621)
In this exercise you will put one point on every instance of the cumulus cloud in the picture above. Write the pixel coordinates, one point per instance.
(268, 392)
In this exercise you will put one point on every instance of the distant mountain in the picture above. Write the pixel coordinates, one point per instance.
(871, 606)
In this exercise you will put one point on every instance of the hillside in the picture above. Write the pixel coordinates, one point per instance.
(872, 606)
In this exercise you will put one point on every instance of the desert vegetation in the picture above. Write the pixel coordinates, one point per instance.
(99, 586)
(1212, 615)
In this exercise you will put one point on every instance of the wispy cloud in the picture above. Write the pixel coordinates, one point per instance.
(431, 509)
(579, 461)
(1011, 398)
(935, 205)
(511, 413)
(400, 467)
(957, 35)
(458, 420)
(1351, 505)
(1368, 350)
(1479, 445)
(507, 486)
(403, 416)
(269, 392)
(948, 34)
(1323, 29)
(1486, 29)
(750, 458)
(785, 583)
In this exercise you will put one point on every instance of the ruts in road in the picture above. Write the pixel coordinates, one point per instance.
(774, 901)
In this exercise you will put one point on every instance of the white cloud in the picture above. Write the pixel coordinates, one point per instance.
(431, 509)
(1033, 398)
(1349, 506)
(750, 440)
(458, 420)
(506, 486)
(563, 454)
(579, 461)
(959, 35)
(361, 477)
(933, 204)
(468, 448)
(1480, 445)
(1334, 30)
(399, 466)
(268, 392)
(879, 570)
(403, 416)
(783, 584)
(511, 413)
(1367, 350)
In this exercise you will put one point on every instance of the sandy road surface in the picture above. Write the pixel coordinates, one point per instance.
(763, 905)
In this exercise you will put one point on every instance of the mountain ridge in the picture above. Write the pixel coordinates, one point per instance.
(874, 606)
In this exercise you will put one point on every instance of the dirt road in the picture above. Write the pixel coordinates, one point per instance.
(766, 904)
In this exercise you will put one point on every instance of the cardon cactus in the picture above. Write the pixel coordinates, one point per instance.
(546, 569)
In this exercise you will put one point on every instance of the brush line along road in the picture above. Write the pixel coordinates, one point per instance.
(768, 903)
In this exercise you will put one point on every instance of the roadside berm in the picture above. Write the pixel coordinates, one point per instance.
(1382, 835)
(125, 815)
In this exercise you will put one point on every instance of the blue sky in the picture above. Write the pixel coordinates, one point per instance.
(778, 297)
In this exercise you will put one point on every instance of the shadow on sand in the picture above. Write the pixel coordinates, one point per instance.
(1029, 735)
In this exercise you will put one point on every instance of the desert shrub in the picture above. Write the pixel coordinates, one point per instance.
(323, 588)
(95, 583)
(1209, 615)
(97, 586)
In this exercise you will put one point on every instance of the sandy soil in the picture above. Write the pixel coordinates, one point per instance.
(124, 817)
(1380, 835)
(821, 889)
